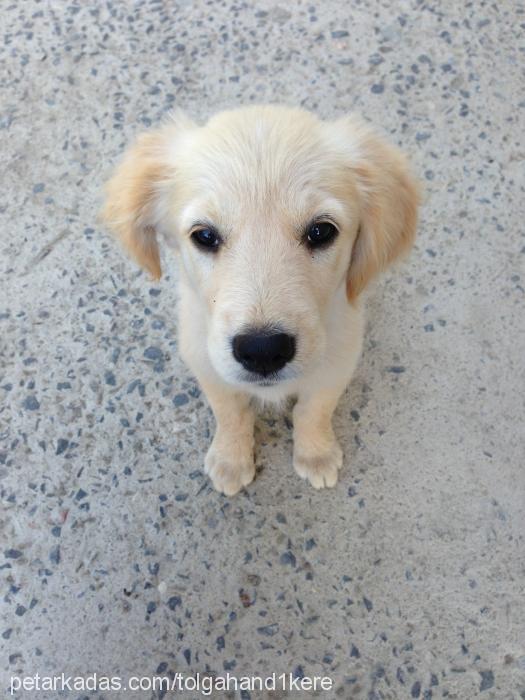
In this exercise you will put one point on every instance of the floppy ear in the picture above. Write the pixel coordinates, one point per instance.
(389, 197)
(132, 209)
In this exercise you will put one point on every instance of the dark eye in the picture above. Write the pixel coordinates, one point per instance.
(206, 238)
(320, 234)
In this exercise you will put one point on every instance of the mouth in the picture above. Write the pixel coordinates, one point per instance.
(263, 380)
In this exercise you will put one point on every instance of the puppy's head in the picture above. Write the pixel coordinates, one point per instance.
(278, 218)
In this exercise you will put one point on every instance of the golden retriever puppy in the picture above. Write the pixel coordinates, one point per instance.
(279, 221)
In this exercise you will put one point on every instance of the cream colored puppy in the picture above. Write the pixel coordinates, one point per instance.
(279, 221)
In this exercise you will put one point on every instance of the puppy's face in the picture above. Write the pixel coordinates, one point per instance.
(277, 217)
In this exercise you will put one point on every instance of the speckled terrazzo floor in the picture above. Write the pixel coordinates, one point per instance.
(407, 580)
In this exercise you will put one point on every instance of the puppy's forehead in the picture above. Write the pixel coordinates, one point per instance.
(259, 151)
(257, 160)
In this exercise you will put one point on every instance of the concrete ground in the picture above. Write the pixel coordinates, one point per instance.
(405, 581)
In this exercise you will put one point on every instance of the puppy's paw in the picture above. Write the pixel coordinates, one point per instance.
(229, 470)
(320, 469)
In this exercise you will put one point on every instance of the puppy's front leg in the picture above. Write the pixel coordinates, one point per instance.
(229, 461)
(317, 455)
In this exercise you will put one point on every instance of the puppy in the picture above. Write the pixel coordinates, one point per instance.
(279, 221)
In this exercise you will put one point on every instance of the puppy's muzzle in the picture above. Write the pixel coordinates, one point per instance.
(263, 352)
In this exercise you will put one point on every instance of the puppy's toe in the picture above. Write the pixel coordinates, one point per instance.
(228, 474)
(321, 470)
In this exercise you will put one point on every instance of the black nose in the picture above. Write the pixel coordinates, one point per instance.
(263, 352)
